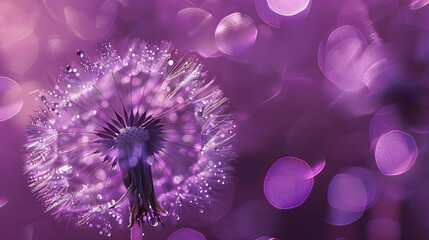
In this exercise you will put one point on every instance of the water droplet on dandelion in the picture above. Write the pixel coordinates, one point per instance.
(150, 160)
(79, 53)
(153, 221)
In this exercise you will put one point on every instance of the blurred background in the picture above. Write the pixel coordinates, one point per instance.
(331, 99)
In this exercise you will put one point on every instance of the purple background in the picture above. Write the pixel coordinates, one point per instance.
(298, 119)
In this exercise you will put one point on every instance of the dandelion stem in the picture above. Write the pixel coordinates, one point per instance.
(136, 232)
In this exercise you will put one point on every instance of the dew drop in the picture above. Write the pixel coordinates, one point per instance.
(79, 53)
(149, 160)
(69, 69)
(153, 222)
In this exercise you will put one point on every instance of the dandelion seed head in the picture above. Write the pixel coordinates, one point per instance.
(130, 138)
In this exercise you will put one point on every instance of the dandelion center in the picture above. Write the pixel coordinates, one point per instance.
(132, 135)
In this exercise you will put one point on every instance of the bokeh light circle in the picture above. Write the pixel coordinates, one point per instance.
(347, 192)
(395, 152)
(339, 56)
(11, 98)
(192, 20)
(86, 19)
(288, 8)
(277, 12)
(288, 183)
(417, 4)
(186, 234)
(369, 181)
(340, 217)
(235, 34)
(197, 27)
(377, 67)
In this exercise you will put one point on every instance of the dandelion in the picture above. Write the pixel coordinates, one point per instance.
(145, 136)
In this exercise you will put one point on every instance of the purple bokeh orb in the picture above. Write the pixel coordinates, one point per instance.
(338, 57)
(347, 192)
(377, 67)
(276, 12)
(186, 234)
(235, 34)
(369, 181)
(197, 27)
(288, 8)
(86, 19)
(288, 183)
(11, 98)
(340, 217)
(395, 152)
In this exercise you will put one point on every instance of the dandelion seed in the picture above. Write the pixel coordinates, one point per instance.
(101, 149)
